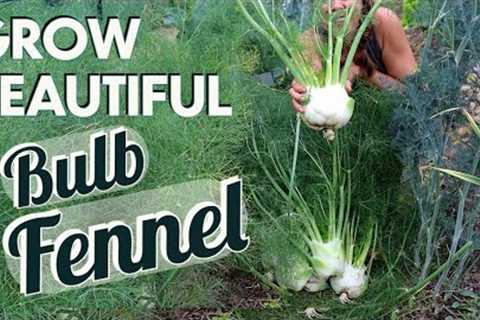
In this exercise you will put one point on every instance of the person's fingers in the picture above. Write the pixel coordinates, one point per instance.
(299, 88)
(336, 5)
(297, 106)
(352, 75)
(348, 86)
(296, 92)
(296, 95)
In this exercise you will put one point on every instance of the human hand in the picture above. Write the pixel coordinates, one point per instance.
(355, 73)
(297, 92)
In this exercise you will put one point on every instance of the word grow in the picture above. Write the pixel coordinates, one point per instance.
(126, 94)
(76, 257)
(26, 33)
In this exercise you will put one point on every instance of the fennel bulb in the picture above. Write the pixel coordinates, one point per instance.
(328, 107)
(327, 258)
(353, 280)
(351, 283)
(316, 284)
(293, 272)
(289, 265)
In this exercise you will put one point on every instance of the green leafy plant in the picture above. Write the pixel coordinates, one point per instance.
(458, 174)
(409, 8)
(450, 51)
(325, 244)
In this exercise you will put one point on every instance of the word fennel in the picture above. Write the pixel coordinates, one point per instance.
(76, 256)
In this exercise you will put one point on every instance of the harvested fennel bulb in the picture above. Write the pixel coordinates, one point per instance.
(329, 107)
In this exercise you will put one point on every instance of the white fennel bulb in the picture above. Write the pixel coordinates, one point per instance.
(328, 107)
(352, 282)
(327, 258)
(316, 284)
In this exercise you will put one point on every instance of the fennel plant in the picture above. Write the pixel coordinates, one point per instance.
(328, 106)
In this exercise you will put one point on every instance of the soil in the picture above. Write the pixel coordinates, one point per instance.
(453, 306)
(416, 37)
(241, 291)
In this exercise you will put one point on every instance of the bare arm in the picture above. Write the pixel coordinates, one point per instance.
(397, 53)
(385, 81)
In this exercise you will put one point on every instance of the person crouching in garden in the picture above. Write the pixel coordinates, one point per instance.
(384, 57)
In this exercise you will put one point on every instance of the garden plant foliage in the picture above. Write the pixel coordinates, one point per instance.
(213, 37)
(180, 150)
(422, 136)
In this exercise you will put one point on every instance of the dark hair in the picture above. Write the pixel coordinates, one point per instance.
(366, 7)
(362, 58)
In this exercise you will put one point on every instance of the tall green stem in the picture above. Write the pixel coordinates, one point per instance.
(358, 37)
(329, 62)
(295, 155)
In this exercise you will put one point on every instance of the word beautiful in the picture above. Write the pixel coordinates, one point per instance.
(138, 93)
(77, 256)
